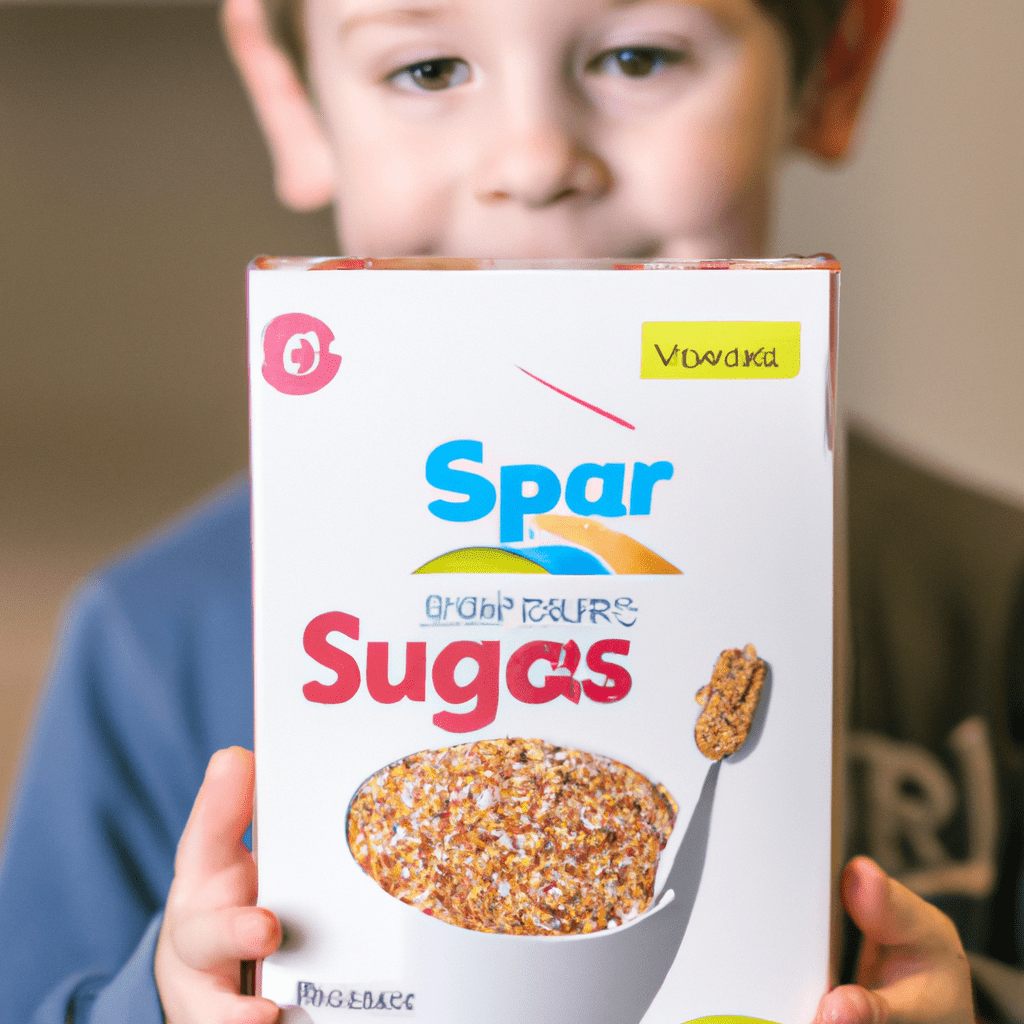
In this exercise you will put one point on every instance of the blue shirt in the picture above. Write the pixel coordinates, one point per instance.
(154, 674)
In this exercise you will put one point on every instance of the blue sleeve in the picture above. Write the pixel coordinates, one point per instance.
(131, 995)
(154, 674)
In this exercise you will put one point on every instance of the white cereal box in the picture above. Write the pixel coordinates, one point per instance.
(507, 517)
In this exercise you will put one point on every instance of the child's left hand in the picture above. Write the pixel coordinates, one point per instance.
(912, 969)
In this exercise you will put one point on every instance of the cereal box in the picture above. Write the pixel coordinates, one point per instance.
(543, 590)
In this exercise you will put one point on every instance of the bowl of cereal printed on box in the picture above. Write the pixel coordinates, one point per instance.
(540, 858)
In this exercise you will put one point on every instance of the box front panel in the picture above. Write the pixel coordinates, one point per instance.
(631, 468)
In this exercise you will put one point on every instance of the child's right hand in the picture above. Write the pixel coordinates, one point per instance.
(210, 923)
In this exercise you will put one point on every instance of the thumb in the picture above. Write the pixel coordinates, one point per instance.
(212, 840)
(889, 914)
(912, 966)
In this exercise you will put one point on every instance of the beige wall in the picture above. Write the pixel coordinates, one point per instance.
(134, 189)
(928, 221)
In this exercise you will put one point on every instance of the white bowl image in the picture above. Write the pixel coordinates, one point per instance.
(605, 977)
(461, 976)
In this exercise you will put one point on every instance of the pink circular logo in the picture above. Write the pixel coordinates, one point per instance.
(297, 359)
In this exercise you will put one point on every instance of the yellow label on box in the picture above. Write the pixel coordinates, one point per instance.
(719, 350)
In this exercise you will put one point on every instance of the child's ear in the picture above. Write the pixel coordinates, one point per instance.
(299, 149)
(829, 112)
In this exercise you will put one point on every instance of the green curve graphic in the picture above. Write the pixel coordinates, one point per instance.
(487, 560)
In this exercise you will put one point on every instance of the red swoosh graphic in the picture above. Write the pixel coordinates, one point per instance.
(579, 401)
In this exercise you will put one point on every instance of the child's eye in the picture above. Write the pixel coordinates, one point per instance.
(636, 61)
(432, 75)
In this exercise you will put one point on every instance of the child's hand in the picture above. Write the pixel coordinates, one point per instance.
(912, 967)
(210, 923)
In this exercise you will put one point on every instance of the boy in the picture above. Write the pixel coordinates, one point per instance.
(492, 127)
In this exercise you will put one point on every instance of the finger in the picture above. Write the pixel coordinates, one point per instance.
(851, 1004)
(912, 966)
(941, 996)
(218, 1007)
(222, 811)
(250, 1010)
(213, 939)
(890, 914)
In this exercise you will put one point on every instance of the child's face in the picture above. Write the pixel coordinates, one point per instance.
(530, 128)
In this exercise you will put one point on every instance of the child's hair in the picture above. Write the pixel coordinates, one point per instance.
(808, 25)
(285, 19)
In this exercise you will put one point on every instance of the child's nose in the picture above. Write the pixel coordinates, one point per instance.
(538, 167)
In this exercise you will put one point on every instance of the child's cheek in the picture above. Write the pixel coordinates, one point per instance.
(397, 179)
(686, 177)
(709, 163)
(384, 209)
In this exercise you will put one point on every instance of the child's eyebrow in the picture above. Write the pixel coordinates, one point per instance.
(392, 16)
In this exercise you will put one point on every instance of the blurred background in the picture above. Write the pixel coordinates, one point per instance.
(134, 189)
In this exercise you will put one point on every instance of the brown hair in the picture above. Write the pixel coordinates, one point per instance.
(285, 19)
(808, 25)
